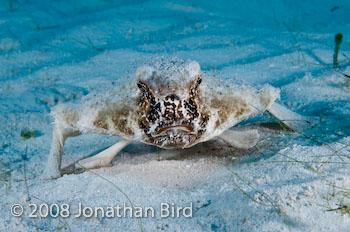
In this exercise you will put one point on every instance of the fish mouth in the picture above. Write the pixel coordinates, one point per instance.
(176, 140)
(182, 129)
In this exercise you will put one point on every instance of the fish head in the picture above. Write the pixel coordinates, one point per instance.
(169, 101)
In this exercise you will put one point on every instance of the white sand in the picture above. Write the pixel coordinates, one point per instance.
(52, 52)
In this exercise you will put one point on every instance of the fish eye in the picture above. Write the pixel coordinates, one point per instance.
(199, 80)
(141, 85)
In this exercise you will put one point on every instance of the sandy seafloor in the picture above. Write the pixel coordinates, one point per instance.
(56, 51)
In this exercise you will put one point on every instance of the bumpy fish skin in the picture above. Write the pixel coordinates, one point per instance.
(170, 104)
